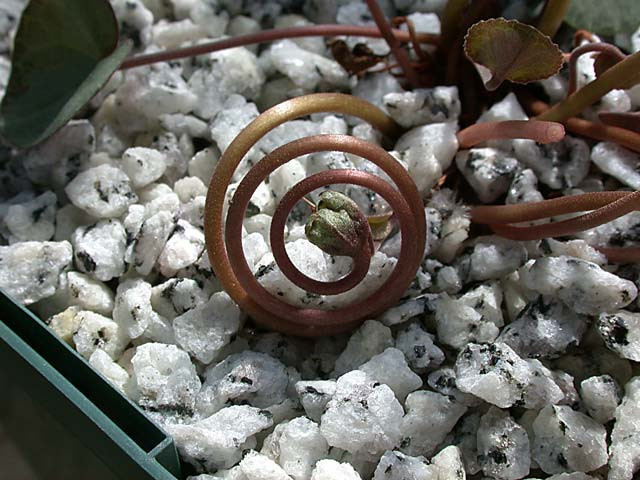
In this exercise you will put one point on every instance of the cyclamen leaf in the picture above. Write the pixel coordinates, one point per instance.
(605, 18)
(511, 50)
(64, 52)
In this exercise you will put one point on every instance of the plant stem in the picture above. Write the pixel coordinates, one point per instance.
(400, 53)
(607, 133)
(621, 254)
(626, 120)
(621, 75)
(268, 36)
(224, 239)
(605, 214)
(552, 16)
(604, 48)
(526, 212)
(541, 132)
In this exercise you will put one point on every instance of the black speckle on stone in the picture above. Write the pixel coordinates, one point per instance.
(312, 391)
(37, 213)
(246, 380)
(563, 426)
(497, 456)
(405, 442)
(87, 261)
(419, 351)
(562, 461)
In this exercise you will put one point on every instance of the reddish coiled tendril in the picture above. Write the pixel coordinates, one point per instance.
(224, 241)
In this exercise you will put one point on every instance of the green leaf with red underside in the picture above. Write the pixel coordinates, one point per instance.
(512, 51)
(64, 52)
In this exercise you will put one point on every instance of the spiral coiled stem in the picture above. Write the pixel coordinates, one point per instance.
(224, 240)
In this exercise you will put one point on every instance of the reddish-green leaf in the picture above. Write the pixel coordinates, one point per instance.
(511, 50)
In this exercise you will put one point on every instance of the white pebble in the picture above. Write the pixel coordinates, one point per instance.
(625, 448)
(218, 441)
(314, 396)
(583, 286)
(99, 249)
(618, 162)
(33, 220)
(97, 332)
(621, 333)
(370, 339)
(363, 416)
(418, 347)
(423, 105)
(89, 294)
(396, 465)
(601, 396)
(113, 372)
(566, 441)
(204, 330)
(430, 417)
(390, 367)
(165, 378)
(488, 170)
(332, 470)
(29, 271)
(503, 446)
(143, 165)
(103, 191)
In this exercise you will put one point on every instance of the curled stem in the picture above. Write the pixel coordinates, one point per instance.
(394, 44)
(224, 240)
(268, 36)
(540, 131)
(604, 49)
(620, 75)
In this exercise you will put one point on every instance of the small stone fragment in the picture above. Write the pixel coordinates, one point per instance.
(219, 440)
(601, 396)
(133, 311)
(256, 466)
(474, 317)
(363, 416)
(618, 162)
(165, 379)
(296, 446)
(390, 367)
(369, 340)
(29, 271)
(99, 249)
(97, 332)
(503, 446)
(103, 191)
(396, 465)
(566, 441)
(545, 328)
(332, 470)
(583, 286)
(419, 350)
(204, 330)
(143, 165)
(430, 417)
(625, 447)
(176, 296)
(103, 363)
(449, 463)
(621, 333)
(488, 171)
(495, 373)
(248, 377)
(89, 294)
(184, 246)
(314, 396)
(33, 220)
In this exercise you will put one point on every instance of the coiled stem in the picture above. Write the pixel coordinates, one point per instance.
(224, 241)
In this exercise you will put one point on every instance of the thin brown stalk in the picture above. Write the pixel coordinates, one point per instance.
(626, 120)
(526, 212)
(268, 36)
(394, 44)
(621, 254)
(598, 131)
(552, 16)
(541, 132)
(604, 49)
(628, 202)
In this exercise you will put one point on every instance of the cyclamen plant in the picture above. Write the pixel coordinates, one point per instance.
(56, 69)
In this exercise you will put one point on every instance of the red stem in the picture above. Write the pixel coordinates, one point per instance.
(540, 131)
(604, 48)
(400, 53)
(267, 36)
